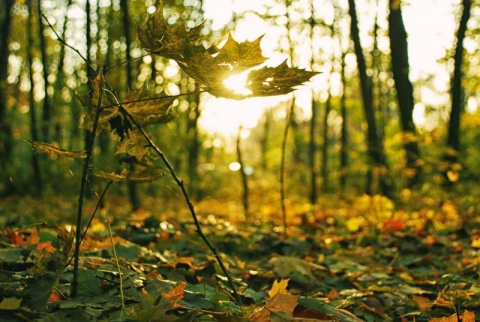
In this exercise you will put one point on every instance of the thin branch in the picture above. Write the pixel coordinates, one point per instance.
(152, 98)
(96, 209)
(83, 186)
(189, 202)
(93, 214)
(63, 42)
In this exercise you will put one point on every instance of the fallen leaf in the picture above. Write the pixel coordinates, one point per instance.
(423, 303)
(33, 239)
(467, 316)
(10, 303)
(279, 288)
(47, 246)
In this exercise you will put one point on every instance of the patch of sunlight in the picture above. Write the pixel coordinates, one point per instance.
(238, 84)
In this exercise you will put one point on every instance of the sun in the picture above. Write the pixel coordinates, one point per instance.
(237, 83)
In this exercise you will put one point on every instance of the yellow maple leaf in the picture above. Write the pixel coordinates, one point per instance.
(279, 288)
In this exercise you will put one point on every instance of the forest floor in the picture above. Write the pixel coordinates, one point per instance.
(363, 260)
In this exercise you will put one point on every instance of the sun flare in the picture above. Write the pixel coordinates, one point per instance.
(238, 84)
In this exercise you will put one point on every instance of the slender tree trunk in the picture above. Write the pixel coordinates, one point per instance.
(33, 114)
(132, 186)
(194, 144)
(60, 82)
(312, 152)
(245, 189)
(47, 111)
(344, 130)
(401, 69)
(453, 137)
(326, 143)
(375, 145)
(91, 75)
(326, 140)
(312, 144)
(265, 138)
(6, 139)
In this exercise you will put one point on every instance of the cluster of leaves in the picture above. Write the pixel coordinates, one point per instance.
(210, 67)
(331, 271)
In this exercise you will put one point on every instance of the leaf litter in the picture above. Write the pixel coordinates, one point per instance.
(329, 271)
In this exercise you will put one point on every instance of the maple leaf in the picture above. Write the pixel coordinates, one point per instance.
(233, 58)
(170, 42)
(49, 148)
(46, 246)
(279, 80)
(279, 287)
(146, 110)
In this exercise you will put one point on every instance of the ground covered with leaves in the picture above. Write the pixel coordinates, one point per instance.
(365, 261)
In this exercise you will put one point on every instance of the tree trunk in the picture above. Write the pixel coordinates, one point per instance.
(265, 138)
(194, 144)
(47, 113)
(326, 143)
(374, 142)
(344, 131)
(312, 152)
(6, 139)
(59, 85)
(453, 137)
(132, 186)
(246, 192)
(401, 69)
(33, 114)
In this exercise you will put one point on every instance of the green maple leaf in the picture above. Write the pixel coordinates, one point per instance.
(170, 42)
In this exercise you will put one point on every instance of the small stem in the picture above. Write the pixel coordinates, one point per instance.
(180, 183)
(96, 209)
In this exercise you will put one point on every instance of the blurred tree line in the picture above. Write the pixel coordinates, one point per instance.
(352, 131)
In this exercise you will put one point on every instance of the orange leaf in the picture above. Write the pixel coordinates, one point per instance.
(55, 296)
(422, 302)
(46, 245)
(467, 316)
(182, 260)
(333, 294)
(175, 294)
(16, 238)
(33, 239)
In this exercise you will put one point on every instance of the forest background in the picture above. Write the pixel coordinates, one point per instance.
(427, 140)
